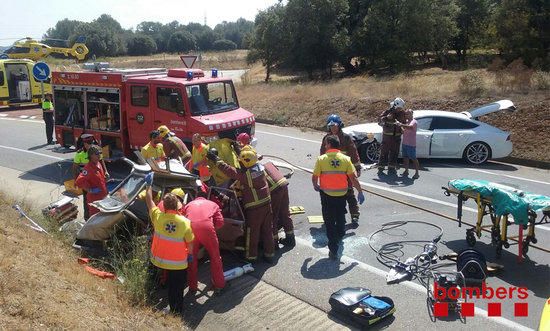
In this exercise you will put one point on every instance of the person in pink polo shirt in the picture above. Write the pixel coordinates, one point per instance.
(408, 147)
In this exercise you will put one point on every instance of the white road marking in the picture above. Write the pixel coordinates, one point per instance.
(450, 165)
(415, 286)
(32, 117)
(32, 152)
(290, 137)
(23, 116)
(411, 195)
(3, 115)
(20, 120)
(497, 174)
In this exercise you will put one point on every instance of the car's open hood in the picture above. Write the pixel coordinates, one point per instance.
(361, 130)
(490, 108)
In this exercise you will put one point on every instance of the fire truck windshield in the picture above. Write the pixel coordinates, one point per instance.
(211, 98)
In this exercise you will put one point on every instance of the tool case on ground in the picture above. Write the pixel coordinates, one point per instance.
(357, 304)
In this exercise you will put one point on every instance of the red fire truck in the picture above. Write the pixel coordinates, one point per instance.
(121, 106)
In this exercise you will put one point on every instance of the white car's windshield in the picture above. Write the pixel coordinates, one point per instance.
(210, 98)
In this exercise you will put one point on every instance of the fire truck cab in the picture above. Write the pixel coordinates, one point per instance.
(120, 107)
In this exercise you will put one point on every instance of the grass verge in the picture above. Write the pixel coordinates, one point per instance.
(42, 286)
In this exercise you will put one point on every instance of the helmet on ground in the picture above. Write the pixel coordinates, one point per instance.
(243, 138)
(397, 103)
(178, 192)
(248, 158)
(334, 120)
(163, 129)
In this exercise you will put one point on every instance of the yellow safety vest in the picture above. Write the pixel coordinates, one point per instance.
(333, 169)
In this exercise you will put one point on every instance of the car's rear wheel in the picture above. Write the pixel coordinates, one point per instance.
(370, 152)
(477, 153)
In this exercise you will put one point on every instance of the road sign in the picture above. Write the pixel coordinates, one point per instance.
(41, 71)
(188, 60)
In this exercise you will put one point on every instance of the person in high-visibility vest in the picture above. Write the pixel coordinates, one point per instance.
(347, 147)
(330, 178)
(92, 180)
(153, 149)
(172, 244)
(47, 114)
(256, 201)
(199, 163)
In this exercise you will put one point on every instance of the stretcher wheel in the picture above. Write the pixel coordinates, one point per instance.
(470, 238)
(534, 240)
(506, 245)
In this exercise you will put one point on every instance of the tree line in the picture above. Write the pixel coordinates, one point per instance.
(315, 35)
(106, 37)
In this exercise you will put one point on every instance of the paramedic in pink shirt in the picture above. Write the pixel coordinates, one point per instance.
(206, 218)
(408, 148)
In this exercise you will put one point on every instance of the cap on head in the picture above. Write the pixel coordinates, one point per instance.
(397, 103)
(243, 138)
(248, 157)
(87, 138)
(163, 129)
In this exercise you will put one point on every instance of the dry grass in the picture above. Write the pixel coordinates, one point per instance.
(42, 286)
(361, 99)
(221, 60)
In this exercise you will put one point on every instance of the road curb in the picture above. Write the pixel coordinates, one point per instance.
(526, 162)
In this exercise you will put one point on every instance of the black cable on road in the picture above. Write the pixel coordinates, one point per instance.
(387, 197)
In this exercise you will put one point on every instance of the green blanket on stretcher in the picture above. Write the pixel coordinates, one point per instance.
(505, 199)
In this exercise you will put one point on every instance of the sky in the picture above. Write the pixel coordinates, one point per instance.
(32, 18)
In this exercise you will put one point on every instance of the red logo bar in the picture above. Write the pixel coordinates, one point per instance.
(441, 309)
(494, 309)
(521, 309)
(467, 309)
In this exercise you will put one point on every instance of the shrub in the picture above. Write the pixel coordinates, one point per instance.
(541, 80)
(141, 45)
(224, 45)
(472, 84)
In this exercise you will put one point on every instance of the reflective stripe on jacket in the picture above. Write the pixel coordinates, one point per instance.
(333, 169)
(169, 246)
(274, 176)
(254, 184)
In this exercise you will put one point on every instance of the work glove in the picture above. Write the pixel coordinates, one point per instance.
(196, 165)
(360, 198)
(358, 171)
(316, 187)
(212, 157)
(190, 258)
(149, 179)
(94, 190)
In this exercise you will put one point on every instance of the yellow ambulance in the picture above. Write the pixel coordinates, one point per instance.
(17, 84)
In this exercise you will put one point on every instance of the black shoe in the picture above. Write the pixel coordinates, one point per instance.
(333, 256)
(355, 221)
(392, 171)
(268, 259)
(380, 171)
(289, 241)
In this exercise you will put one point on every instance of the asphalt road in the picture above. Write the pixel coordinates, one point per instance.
(305, 272)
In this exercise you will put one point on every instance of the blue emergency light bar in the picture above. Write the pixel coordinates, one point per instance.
(214, 73)
(190, 75)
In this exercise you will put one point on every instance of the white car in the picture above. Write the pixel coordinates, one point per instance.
(443, 134)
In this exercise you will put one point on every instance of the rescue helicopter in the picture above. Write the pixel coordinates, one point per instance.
(28, 48)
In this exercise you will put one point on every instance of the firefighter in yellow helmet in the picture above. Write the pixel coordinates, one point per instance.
(174, 147)
(256, 201)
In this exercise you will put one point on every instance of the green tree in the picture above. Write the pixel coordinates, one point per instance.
(268, 41)
(63, 29)
(235, 31)
(141, 44)
(317, 33)
(206, 39)
(523, 30)
(472, 22)
(181, 41)
(155, 31)
(101, 40)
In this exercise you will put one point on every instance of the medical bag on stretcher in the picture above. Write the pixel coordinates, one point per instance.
(358, 305)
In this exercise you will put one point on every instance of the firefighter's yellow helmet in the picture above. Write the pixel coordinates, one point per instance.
(248, 157)
(178, 192)
(163, 129)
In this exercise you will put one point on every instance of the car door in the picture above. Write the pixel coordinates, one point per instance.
(170, 110)
(450, 136)
(423, 137)
(140, 116)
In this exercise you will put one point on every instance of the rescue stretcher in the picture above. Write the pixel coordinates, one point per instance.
(505, 206)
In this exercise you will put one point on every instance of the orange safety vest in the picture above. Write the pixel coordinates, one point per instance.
(169, 248)
(198, 155)
(334, 168)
